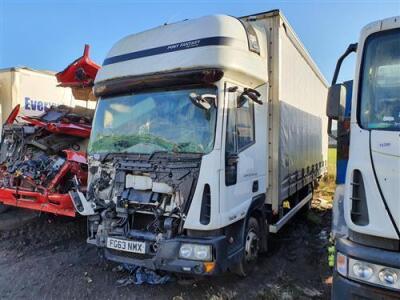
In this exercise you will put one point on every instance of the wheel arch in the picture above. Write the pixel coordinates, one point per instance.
(257, 211)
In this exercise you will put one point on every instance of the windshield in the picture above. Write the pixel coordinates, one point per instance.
(380, 82)
(154, 121)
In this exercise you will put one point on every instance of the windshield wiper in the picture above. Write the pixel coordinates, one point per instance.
(175, 149)
(157, 152)
(180, 146)
(121, 144)
(103, 157)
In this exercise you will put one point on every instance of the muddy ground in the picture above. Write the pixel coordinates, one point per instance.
(46, 257)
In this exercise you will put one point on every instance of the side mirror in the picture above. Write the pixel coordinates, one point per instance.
(249, 94)
(203, 101)
(335, 106)
(336, 102)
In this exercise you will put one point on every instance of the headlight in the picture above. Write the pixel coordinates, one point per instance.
(196, 252)
(362, 270)
(388, 276)
(367, 272)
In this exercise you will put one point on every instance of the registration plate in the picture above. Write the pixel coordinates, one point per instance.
(125, 245)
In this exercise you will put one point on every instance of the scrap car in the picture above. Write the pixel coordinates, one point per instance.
(41, 158)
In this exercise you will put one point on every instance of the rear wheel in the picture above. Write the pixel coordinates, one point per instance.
(307, 207)
(252, 245)
(3, 208)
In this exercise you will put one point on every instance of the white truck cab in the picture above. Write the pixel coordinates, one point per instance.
(368, 250)
(208, 134)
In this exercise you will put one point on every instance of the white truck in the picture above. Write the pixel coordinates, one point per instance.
(208, 135)
(366, 220)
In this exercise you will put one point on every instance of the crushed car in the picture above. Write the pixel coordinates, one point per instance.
(41, 158)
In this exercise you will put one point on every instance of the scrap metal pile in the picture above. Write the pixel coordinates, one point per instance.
(41, 158)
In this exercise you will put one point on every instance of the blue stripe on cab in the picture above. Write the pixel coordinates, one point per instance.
(210, 41)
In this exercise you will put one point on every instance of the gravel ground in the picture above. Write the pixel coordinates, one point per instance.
(46, 257)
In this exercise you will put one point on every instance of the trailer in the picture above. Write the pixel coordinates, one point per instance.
(209, 134)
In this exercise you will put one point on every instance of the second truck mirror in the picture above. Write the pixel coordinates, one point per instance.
(336, 101)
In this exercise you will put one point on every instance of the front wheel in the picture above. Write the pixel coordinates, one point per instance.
(252, 244)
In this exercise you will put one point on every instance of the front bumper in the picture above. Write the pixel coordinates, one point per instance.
(167, 256)
(345, 288)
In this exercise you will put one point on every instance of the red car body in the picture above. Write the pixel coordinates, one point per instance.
(50, 195)
(21, 187)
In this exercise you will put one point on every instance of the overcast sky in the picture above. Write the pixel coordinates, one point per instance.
(50, 34)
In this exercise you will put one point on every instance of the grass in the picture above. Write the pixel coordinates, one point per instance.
(332, 162)
(327, 185)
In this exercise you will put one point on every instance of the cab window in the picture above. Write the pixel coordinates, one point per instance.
(245, 125)
(240, 125)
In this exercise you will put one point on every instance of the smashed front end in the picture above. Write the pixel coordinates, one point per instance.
(41, 158)
(142, 203)
(150, 196)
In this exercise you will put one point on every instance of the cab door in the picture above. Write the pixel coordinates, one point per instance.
(243, 176)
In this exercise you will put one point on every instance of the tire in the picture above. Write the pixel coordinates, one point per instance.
(3, 208)
(306, 208)
(251, 251)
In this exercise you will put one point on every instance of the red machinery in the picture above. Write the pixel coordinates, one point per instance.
(42, 157)
(80, 73)
(79, 76)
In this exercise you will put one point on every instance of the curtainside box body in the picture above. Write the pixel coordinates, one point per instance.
(298, 144)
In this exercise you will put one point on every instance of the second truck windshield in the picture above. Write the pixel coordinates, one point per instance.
(380, 82)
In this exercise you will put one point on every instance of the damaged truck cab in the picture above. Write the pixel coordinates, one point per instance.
(181, 174)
